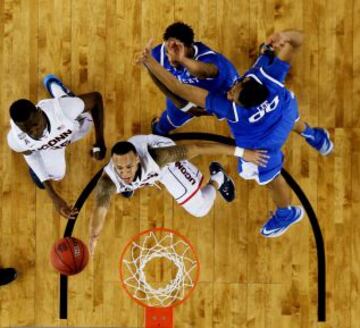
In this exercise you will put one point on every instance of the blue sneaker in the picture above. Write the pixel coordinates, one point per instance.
(277, 225)
(320, 140)
(155, 127)
(55, 87)
(35, 179)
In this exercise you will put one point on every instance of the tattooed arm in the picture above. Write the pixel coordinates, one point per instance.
(103, 192)
(163, 156)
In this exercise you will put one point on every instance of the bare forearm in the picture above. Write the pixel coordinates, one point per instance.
(192, 94)
(50, 190)
(97, 113)
(104, 189)
(97, 221)
(178, 102)
(199, 69)
(210, 149)
(166, 155)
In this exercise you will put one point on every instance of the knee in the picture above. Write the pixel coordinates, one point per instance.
(199, 212)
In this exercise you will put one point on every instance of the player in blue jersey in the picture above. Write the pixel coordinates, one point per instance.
(261, 113)
(199, 66)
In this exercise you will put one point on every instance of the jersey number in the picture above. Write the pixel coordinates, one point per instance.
(264, 108)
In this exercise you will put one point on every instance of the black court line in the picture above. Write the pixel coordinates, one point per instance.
(229, 141)
(68, 232)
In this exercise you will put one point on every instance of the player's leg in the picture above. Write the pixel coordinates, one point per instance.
(55, 87)
(202, 201)
(183, 181)
(170, 119)
(7, 275)
(285, 215)
(318, 138)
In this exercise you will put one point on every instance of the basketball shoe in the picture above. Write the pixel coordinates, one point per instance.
(55, 87)
(227, 187)
(319, 139)
(281, 220)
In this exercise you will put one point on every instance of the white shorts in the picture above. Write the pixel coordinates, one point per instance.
(48, 164)
(183, 181)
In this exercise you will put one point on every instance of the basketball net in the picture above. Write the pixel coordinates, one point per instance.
(171, 251)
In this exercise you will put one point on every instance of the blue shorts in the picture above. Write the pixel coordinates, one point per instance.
(273, 143)
(262, 175)
(175, 116)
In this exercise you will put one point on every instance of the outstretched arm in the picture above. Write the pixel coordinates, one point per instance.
(103, 192)
(94, 104)
(178, 102)
(190, 93)
(166, 155)
(36, 163)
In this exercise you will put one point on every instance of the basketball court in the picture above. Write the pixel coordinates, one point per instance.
(240, 279)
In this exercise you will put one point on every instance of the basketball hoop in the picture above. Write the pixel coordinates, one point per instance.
(159, 269)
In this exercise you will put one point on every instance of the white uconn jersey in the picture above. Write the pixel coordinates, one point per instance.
(62, 130)
(181, 179)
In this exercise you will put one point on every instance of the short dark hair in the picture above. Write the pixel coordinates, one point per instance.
(21, 110)
(180, 31)
(252, 93)
(122, 148)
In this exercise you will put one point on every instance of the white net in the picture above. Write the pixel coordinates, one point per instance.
(176, 263)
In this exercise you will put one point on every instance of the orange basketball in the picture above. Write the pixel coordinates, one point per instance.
(69, 256)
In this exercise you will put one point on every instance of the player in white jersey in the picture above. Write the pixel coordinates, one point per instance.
(41, 133)
(147, 159)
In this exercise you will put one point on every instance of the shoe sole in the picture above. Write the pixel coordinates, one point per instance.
(331, 144)
(280, 232)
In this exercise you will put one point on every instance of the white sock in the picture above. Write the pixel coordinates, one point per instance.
(218, 178)
(56, 90)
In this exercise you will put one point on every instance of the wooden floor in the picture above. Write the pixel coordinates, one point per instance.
(246, 280)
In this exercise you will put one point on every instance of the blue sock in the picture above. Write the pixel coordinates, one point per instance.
(308, 132)
(283, 212)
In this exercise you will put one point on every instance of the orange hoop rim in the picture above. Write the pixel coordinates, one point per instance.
(197, 275)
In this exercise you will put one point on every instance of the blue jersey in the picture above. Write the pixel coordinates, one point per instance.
(227, 73)
(265, 126)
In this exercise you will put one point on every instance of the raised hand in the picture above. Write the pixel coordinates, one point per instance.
(65, 210)
(145, 54)
(277, 40)
(175, 51)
